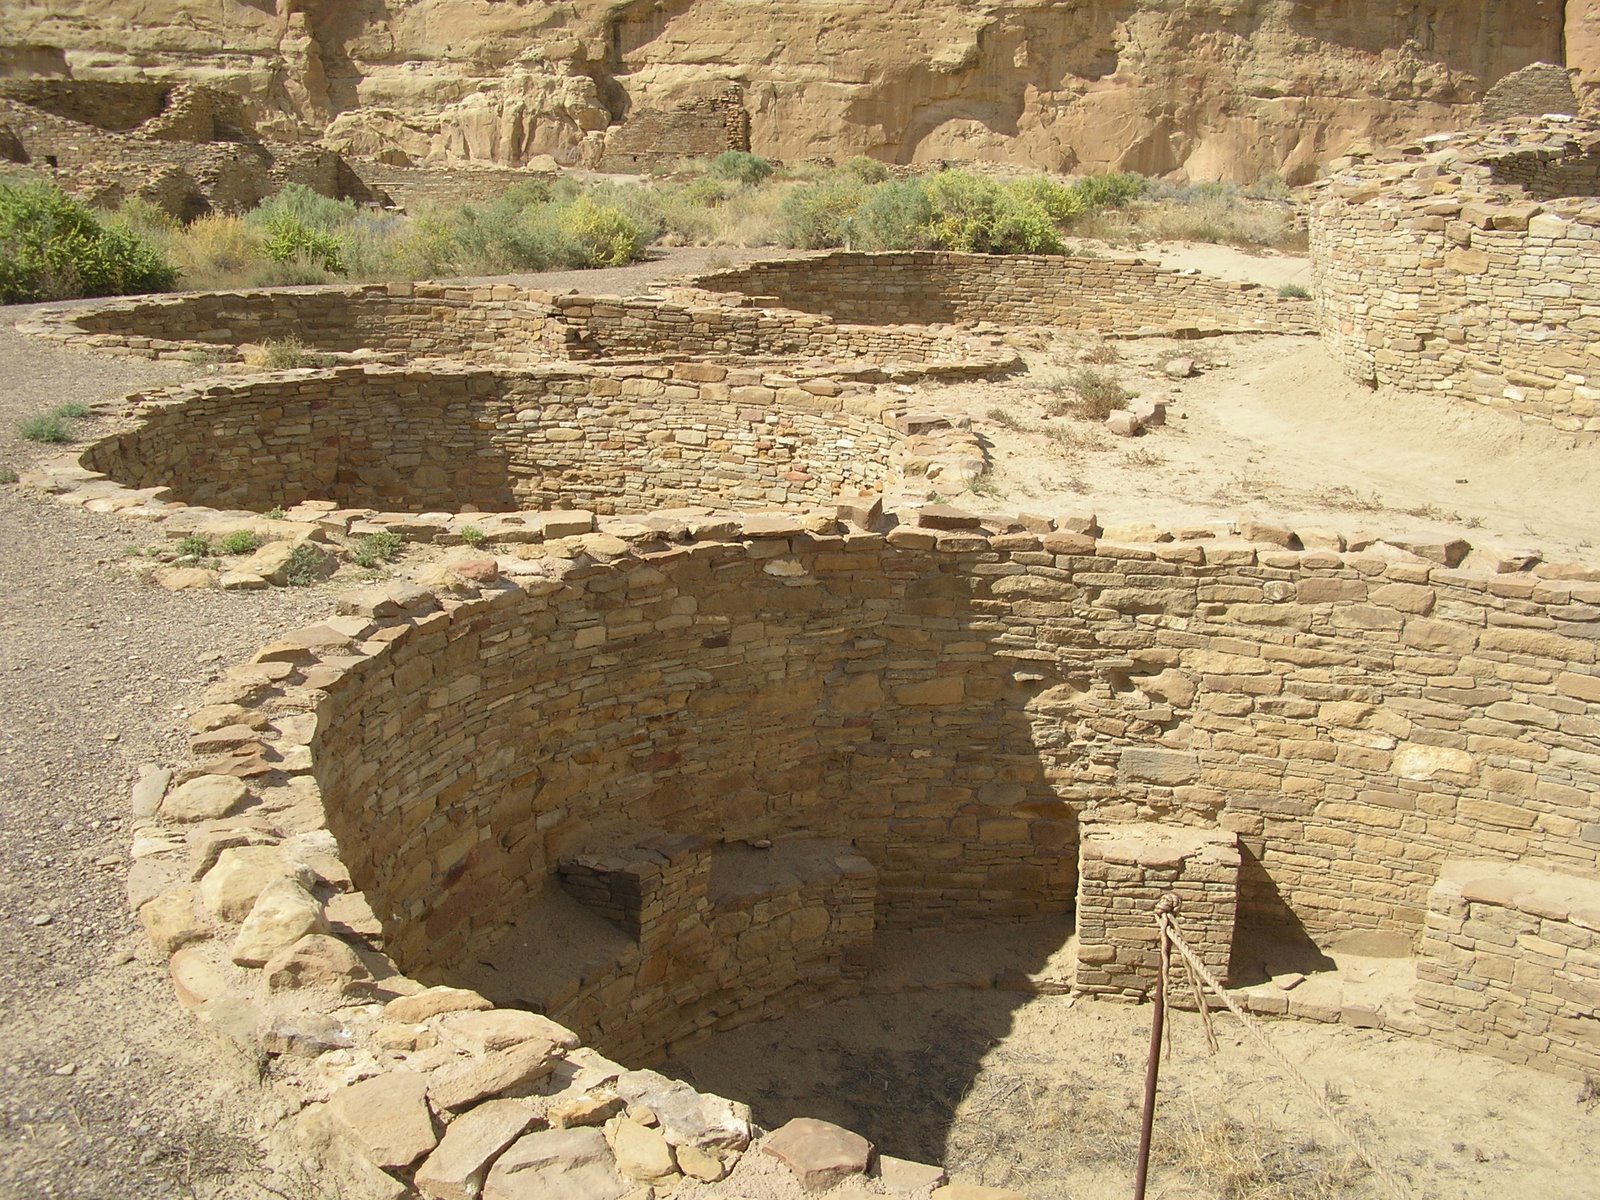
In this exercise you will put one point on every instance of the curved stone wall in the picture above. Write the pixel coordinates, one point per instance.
(451, 439)
(1114, 296)
(503, 325)
(1454, 269)
(955, 706)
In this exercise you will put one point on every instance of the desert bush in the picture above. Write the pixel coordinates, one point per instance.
(1295, 291)
(1097, 394)
(819, 216)
(867, 170)
(299, 225)
(895, 216)
(52, 247)
(740, 166)
(605, 235)
(287, 354)
(1115, 190)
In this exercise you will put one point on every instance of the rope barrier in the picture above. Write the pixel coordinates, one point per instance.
(1166, 919)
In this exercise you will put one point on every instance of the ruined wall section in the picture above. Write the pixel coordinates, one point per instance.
(661, 139)
(1510, 965)
(1455, 271)
(1109, 296)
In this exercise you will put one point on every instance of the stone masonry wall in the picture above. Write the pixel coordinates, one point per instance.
(725, 935)
(1510, 965)
(621, 439)
(954, 703)
(505, 325)
(1435, 274)
(662, 138)
(1122, 872)
(1111, 296)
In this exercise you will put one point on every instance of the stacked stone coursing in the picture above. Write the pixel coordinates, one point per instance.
(1453, 266)
(453, 439)
(503, 324)
(1123, 872)
(1357, 721)
(656, 139)
(717, 935)
(952, 703)
(1510, 964)
(1115, 297)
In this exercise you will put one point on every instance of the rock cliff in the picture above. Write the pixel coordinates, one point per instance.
(1209, 89)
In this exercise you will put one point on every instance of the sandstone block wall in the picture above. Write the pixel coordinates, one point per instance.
(955, 703)
(1453, 271)
(717, 935)
(621, 439)
(1510, 964)
(654, 138)
(511, 326)
(1112, 296)
(1122, 872)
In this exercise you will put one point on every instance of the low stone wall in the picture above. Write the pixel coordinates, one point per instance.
(1123, 872)
(716, 935)
(1452, 270)
(505, 325)
(1510, 964)
(452, 439)
(1121, 297)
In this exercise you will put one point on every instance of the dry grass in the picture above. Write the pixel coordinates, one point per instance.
(1019, 1131)
(1087, 393)
(1205, 214)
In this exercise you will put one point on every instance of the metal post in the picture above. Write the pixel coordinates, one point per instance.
(1152, 1073)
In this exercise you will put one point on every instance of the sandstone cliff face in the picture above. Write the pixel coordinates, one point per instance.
(1206, 88)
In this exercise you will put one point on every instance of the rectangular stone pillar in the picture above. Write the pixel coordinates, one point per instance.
(1122, 871)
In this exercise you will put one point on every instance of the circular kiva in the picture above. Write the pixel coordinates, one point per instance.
(1465, 265)
(427, 439)
(443, 852)
(684, 787)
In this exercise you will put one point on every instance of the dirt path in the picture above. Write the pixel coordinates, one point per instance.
(106, 1089)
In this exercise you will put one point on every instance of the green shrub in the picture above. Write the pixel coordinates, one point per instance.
(288, 354)
(740, 166)
(7, 476)
(1021, 225)
(1294, 291)
(53, 248)
(894, 216)
(818, 216)
(49, 427)
(1109, 191)
(1059, 202)
(300, 226)
(194, 546)
(305, 566)
(240, 541)
(54, 426)
(606, 235)
(377, 548)
(1099, 394)
(473, 536)
(867, 170)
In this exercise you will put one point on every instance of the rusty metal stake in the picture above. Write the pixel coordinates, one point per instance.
(1168, 903)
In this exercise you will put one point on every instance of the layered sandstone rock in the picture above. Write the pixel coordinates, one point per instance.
(1211, 89)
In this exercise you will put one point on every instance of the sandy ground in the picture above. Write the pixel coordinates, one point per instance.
(1269, 427)
(107, 1090)
(1041, 1094)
